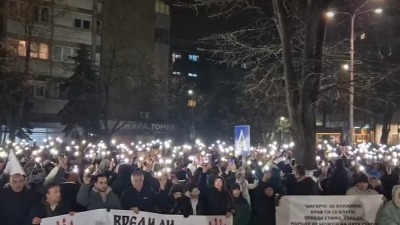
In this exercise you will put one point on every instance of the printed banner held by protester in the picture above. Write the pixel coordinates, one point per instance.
(124, 217)
(324, 210)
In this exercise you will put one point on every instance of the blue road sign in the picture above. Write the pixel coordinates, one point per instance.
(242, 140)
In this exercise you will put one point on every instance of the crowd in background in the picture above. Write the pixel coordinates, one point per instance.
(248, 193)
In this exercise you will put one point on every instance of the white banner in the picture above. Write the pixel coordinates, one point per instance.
(123, 217)
(329, 210)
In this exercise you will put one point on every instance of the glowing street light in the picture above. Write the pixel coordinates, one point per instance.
(330, 14)
(346, 67)
(190, 92)
(378, 10)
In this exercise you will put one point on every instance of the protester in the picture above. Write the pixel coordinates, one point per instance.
(100, 196)
(265, 206)
(362, 186)
(218, 200)
(138, 197)
(70, 189)
(340, 181)
(242, 206)
(304, 185)
(192, 204)
(51, 206)
(390, 214)
(16, 201)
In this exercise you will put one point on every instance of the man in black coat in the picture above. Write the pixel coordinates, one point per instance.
(139, 197)
(16, 201)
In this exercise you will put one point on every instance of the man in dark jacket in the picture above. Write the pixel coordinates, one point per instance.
(16, 200)
(139, 198)
(100, 196)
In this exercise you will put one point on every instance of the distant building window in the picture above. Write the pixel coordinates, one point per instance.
(176, 56)
(84, 24)
(41, 14)
(161, 36)
(98, 27)
(37, 50)
(40, 91)
(18, 10)
(162, 8)
(192, 75)
(194, 58)
(176, 73)
(21, 10)
(63, 54)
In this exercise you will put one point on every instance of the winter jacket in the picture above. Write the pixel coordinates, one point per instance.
(92, 199)
(355, 191)
(44, 210)
(144, 199)
(243, 211)
(391, 212)
(15, 206)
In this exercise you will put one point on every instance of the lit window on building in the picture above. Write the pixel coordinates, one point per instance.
(194, 58)
(176, 56)
(192, 74)
(176, 73)
(37, 50)
(162, 8)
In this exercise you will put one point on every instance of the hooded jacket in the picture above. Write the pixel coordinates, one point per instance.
(391, 212)
(92, 199)
(216, 202)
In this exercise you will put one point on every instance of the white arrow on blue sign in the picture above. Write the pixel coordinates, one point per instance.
(242, 140)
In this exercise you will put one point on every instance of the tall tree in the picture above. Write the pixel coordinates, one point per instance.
(282, 40)
(82, 112)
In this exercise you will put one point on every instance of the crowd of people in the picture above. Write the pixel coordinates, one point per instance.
(249, 193)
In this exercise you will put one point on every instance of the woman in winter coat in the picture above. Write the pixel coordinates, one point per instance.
(265, 206)
(243, 211)
(391, 212)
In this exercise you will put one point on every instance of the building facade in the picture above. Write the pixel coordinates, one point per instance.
(137, 31)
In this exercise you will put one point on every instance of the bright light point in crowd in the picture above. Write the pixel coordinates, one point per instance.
(318, 158)
(38, 159)
(76, 154)
(190, 92)
(378, 10)
(259, 163)
(361, 168)
(330, 14)
(113, 142)
(249, 162)
(346, 67)
(253, 172)
(282, 118)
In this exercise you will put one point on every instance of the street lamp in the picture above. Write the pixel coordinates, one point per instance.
(350, 67)
(346, 67)
(330, 14)
(190, 92)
